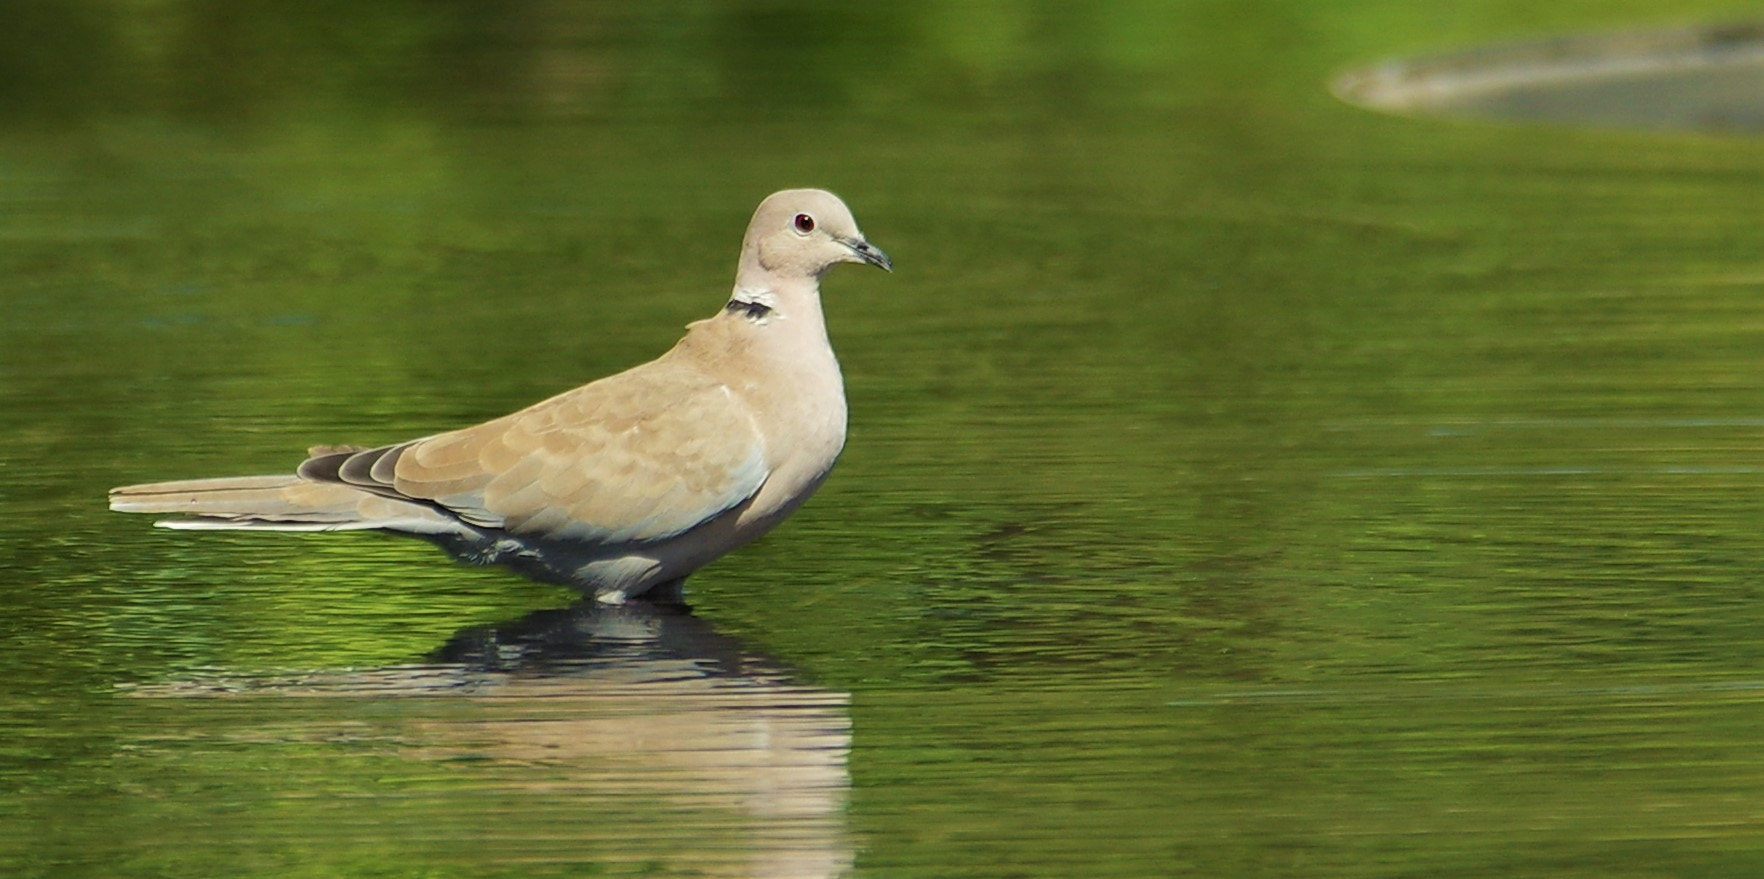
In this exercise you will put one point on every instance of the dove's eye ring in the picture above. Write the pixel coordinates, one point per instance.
(805, 223)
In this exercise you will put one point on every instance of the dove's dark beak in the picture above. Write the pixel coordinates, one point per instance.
(870, 253)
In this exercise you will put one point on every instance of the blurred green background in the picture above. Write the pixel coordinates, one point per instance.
(1239, 482)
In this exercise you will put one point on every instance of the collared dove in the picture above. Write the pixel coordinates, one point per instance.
(620, 486)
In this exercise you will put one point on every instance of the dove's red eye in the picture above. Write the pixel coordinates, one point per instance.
(805, 223)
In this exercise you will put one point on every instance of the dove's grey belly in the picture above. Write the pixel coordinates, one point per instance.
(613, 573)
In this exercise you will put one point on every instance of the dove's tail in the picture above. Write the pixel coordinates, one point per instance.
(274, 503)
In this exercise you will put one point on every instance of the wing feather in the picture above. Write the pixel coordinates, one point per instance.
(643, 455)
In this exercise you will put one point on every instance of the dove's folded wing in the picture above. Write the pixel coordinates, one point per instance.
(640, 456)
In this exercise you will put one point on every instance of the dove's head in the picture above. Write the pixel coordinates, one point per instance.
(805, 232)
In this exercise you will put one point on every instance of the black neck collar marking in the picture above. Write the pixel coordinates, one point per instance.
(749, 309)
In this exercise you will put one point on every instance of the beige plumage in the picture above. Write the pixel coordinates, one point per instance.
(622, 485)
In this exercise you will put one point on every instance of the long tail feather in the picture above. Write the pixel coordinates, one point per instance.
(274, 503)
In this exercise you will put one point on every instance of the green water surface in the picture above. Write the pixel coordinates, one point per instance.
(1239, 483)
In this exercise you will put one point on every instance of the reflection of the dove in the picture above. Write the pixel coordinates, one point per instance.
(641, 705)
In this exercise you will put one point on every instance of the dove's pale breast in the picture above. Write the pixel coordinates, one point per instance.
(783, 370)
